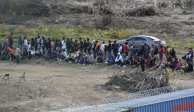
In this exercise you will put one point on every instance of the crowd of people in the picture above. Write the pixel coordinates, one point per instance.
(83, 51)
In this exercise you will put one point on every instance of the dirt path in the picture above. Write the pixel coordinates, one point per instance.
(52, 86)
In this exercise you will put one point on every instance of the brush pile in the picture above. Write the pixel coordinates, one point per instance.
(136, 81)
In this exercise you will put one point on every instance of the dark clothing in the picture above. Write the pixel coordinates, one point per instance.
(1, 48)
(32, 43)
(115, 46)
(140, 52)
(142, 64)
(10, 41)
(68, 44)
(169, 59)
(81, 45)
(173, 53)
(72, 46)
(146, 55)
(20, 41)
(85, 46)
(48, 45)
(25, 53)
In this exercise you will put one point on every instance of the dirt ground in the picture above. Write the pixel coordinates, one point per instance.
(52, 85)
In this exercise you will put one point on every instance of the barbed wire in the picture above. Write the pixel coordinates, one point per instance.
(132, 96)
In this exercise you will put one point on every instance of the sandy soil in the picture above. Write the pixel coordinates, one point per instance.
(52, 85)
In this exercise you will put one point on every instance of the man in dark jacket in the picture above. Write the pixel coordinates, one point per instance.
(142, 63)
(48, 46)
(32, 45)
(81, 45)
(10, 40)
(85, 46)
(89, 45)
(68, 46)
(145, 48)
(72, 46)
(115, 47)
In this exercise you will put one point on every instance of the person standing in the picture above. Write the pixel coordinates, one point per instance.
(35, 44)
(126, 49)
(11, 41)
(152, 50)
(89, 45)
(161, 52)
(109, 47)
(76, 46)
(145, 48)
(93, 45)
(130, 49)
(48, 46)
(115, 47)
(18, 54)
(85, 45)
(63, 44)
(32, 45)
(68, 46)
(142, 63)
(96, 49)
(7, 42)
(43, 44)
(29, 50)
(81, 45)
(72, 46)
(38, 42)
(25, 43)
(120, 49)
(20, 42)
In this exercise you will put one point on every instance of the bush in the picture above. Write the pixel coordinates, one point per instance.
(2, 34)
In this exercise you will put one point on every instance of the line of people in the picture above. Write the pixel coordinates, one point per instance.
(85, 52)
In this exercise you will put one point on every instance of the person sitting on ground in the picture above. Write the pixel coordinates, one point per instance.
(179, 65)
(62, 55)
(25, 54)
(189, 67)
(11, 53)
(126, 61)
(54, 55)
(147, 55)
(74, 57)
(38, 53)
(5, 47)
(119, 59)
(99, 58)
(148, 61)
(111, 59)
(83, 59)
(135, 61)
(168, 62)
(80, 56)
(90, 59)
(133, 52)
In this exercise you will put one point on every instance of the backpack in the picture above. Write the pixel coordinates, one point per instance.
(105, 48)
(156, 51)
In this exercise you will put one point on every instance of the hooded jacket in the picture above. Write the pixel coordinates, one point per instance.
(111, 57)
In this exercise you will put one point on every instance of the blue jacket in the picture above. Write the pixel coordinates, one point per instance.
(133, 52)
(20, 41)
(111, 57)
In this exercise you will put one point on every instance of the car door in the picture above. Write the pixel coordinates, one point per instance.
(131, 40)
(140, 41)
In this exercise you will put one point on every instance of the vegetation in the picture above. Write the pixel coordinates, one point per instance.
(59, 32)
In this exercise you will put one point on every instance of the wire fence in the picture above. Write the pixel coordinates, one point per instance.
(141, 94)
